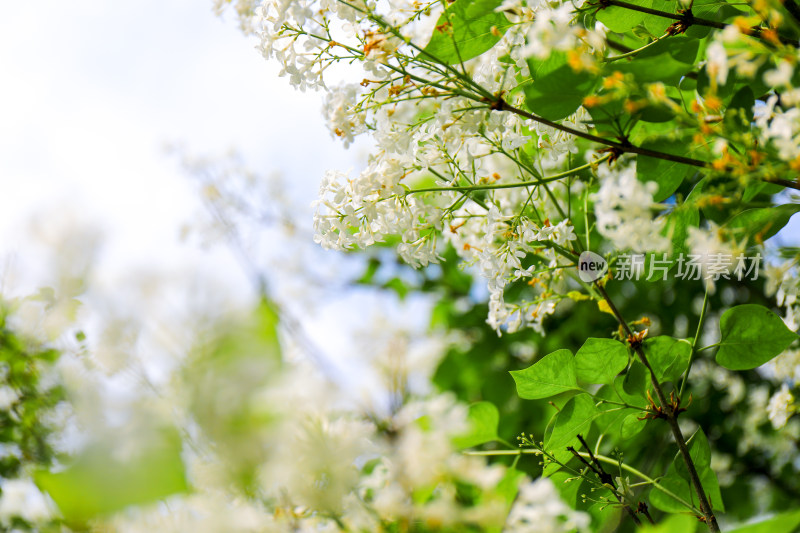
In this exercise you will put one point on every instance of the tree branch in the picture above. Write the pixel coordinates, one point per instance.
(605, 478)
(672, 419)
(684, 17)
(502, 105)
(784, 183)
(687, 19)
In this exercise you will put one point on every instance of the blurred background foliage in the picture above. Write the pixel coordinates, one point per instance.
(30, 393)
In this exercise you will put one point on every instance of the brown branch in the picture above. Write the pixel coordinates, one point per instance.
(671, 417)
(687, 19)
(619, 47)
(605, 478)
(645, 511)
(501, 105)
(784, 183)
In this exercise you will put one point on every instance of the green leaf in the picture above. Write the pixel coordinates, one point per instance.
(739, 113)
(683, 489)
(575, 417)
(711, 485)
(612, 419)
(619, 19)
(761, 224)
(568, 488)
(467, 29)
(667, 174)
(509, 485)
(556, 90)
(632, 387)
(668, 357)
(666, 61)
(100, 482)
(632, 425)
(552, 374)
(700, 451)
(752, 190)
(483, 419)
(398, 286)
(785, 522)
(600, 360)
(676, 485)
(369, 274)
(751, 335)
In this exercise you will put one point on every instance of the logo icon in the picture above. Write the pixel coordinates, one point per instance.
(591, 266)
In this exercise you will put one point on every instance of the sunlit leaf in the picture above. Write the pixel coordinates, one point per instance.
(483, 419)
(552, 374)
(600, 360)
(465, 30)
(751, 335)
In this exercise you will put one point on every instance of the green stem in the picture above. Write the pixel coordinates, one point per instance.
(646, 478)
(634, 52)
(621, 404)
(708, 347)
(700, 323)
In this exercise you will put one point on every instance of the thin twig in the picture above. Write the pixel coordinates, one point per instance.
(605, 477)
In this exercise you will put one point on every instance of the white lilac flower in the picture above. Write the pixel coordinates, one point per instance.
(551, 30)
(339, 110)
(717, 65)
(624, 210)
(787, 366)
(717, 256)
(779, 127)
(22, 499)
(245, 12)
(539, 508)
(8, 397)
(782, 283)
(780, 76)
(781, 407)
